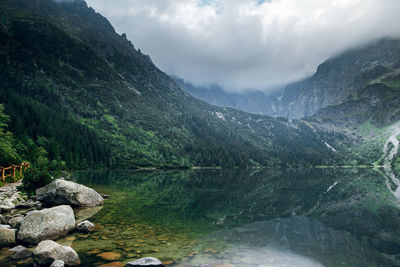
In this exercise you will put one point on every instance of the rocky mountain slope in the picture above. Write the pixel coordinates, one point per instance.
(356, 94)
(348, 89)
(348, 78)
(75, 87)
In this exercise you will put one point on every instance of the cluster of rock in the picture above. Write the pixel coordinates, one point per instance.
(10, 199)
(39, 226)
(30, 223)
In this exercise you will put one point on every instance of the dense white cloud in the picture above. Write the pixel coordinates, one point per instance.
(243, 44)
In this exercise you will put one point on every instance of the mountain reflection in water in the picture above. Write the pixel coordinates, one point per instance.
(244, 218)
(294, 241)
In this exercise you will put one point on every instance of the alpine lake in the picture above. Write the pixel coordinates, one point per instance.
(224, 218)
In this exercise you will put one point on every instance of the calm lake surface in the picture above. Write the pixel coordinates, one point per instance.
(235, 217)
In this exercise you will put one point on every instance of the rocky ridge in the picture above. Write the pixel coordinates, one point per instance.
(342, 79)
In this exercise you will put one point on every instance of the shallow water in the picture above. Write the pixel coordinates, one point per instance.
(234, 217)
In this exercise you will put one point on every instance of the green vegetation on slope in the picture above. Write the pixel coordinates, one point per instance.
(393, 82)
(13, 151)
(8, 153)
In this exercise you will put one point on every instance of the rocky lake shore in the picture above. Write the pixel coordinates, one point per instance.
(28, 225)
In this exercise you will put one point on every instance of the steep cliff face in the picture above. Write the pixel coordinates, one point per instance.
(342, 79)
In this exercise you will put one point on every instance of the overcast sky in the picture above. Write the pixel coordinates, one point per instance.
(248, 44)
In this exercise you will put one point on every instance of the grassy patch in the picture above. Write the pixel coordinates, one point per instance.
(367, 128)
(371, 149)
(371, 204)
(393, 82)
(109, 118)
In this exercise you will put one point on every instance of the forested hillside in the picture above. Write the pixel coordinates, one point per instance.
(8, 154)
(75, 87)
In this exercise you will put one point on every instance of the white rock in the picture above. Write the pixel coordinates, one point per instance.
(85, 226)
(49, 251)
(70, 193)
(148, 261)
(57, 263)
(9, 202)
(46, 224)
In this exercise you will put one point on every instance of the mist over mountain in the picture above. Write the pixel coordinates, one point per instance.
(255, 102)
(249, 44)
(343, 78)
(339, 81)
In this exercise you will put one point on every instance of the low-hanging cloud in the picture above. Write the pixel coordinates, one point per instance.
(248, 44)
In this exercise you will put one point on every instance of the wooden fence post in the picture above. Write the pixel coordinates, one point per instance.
(22, 167)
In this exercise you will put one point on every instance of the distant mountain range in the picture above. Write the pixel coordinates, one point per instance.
(346, 78)
(255, 101)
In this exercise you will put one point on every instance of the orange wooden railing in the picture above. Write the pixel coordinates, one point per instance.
(11, 170)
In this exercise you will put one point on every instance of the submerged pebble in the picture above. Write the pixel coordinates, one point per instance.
(109, 255)
(112, 264)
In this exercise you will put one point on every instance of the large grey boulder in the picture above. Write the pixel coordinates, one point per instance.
(49, 251)
(45, 224)
(148, 261)
(70, 193)
(7, 237)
